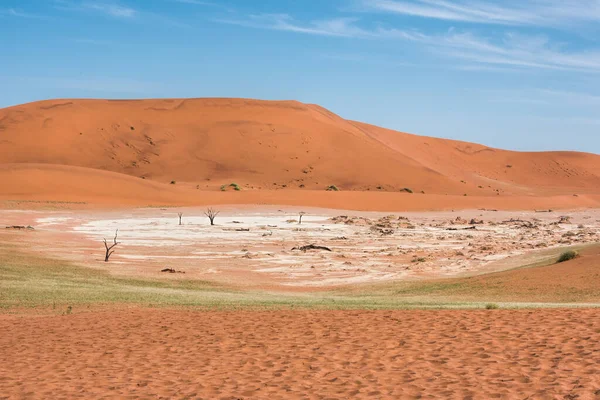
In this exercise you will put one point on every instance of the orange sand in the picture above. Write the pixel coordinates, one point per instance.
(542, 354)
(280, 152)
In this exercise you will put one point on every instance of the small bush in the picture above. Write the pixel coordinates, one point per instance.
(173, 182)
(407, 190)
(419, 259)
(492, 306)
(567, 255)
(235, 187)
(332, 188)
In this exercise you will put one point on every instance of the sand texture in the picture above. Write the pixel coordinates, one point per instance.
(542, 354)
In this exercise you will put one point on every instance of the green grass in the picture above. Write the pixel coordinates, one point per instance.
(234, 185)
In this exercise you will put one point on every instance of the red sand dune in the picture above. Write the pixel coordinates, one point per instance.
(204, 143)
(541, 354)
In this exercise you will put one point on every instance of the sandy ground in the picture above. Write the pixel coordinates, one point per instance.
(542, 354)
(64, 162)
(254, 247)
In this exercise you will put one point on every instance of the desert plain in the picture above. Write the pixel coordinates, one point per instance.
(345, 261)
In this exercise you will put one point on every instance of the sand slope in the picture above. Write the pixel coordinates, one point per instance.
(274, 145)
(33, 185)
(577, 280)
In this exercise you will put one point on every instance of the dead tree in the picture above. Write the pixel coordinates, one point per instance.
(211, 214)
(180, 215)
(109, 249)
(301, 213)
(311, 247)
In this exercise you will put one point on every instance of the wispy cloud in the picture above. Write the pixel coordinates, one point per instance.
(516, 51)
(114, 10)
(12, 12)
(111, 9)
(582, 101)
(511, 50)
(524, 12)
(341, 27)
(118, 11)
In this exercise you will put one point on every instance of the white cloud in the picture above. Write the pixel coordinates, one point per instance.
(341, 27)
(517, 50)
(111, 9)
(508, 12)
(12, 12)
(510, 50)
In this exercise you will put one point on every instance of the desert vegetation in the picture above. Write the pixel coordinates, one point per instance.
(109, 249)
(567, 256)
(232, 185)
(211, 213)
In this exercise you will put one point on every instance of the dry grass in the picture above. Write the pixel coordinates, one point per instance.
(30, 281)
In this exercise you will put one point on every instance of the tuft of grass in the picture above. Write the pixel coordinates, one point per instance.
(567, 255)
(332, 188)
(234, 185)
(419, 259)
(492, 306)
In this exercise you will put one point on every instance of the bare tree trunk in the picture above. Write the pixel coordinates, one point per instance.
(300, 219)
(211, 214)
(109, 250)
(180, 215)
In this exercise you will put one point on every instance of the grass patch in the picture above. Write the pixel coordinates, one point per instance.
(567, 256)
(233, 185)
(34, 281)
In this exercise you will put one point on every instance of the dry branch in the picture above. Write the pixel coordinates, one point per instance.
(109, 249)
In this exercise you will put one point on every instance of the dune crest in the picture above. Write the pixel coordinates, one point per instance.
(266, 145)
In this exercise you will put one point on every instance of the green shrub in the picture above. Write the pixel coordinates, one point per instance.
(235, 187)
(332, 188)
(492, 306)
(567, 255)
(173, 182)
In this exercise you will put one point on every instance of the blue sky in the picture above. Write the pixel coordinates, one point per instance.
(521, 75)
